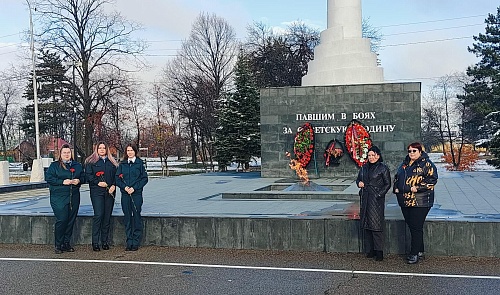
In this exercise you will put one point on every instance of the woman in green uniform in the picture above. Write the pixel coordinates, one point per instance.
(64, 177)
(131, 177)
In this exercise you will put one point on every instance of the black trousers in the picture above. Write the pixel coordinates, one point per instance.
(102, 203)
(414, 218)
(374, 240)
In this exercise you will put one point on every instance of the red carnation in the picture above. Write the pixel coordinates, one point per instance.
(121, 175)
(72, 170)
(99, 173)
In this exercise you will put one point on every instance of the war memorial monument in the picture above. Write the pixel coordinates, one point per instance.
(343, 99)
(343, 83)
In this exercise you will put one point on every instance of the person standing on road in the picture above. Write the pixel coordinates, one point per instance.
(131, 177)
(374, 181)
(414, 187)
(65, 176)
(100, 170)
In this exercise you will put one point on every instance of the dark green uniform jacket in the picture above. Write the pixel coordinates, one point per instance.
(132, 175)
(55, 176)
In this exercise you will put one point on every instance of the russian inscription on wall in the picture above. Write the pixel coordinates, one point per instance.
(391, 113)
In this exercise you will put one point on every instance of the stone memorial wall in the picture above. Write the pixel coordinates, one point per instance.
(390, 112)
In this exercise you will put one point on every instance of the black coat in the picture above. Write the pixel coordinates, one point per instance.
(377, 180)
(423, 174)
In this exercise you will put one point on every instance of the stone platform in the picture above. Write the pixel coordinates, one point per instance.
(189, 211)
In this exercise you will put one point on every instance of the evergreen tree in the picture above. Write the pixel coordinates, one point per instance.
(53, 94)
(482, 94)
(238, 134)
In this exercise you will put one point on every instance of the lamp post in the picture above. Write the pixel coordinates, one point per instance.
(37, 174)
(74, 111)
(35, 90)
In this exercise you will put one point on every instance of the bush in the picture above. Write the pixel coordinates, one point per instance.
(468, 159)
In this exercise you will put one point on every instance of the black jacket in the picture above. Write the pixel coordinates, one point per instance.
(377, 180)
(131, 175)
(423, 174)
(108, 176)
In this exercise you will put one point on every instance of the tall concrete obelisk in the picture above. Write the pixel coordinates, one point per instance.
(343, 57)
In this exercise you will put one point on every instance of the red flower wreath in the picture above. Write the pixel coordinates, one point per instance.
(303, 146)
(357, 142)
(333, 153)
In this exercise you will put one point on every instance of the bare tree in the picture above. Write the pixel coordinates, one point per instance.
(9, 95)
(198, 77)
(372, 33)
(211, 49)
(132, 109)
(447, 113)
(432, 123)
(99, 45)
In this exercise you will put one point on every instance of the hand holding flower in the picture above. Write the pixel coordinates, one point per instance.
(129, 190)
(102, 182)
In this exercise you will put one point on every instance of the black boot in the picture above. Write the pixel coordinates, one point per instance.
(379, 255)
(66, 247)
(370, 254)
(95, 247)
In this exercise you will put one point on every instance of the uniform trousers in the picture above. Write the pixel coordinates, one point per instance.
(131, 206)
(102, 203)
(65, 215)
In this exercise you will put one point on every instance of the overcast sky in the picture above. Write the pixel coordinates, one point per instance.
(423, 39)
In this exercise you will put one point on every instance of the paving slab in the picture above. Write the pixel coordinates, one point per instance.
(459, 195)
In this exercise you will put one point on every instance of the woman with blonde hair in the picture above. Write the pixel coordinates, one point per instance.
(100, 169)
(65, 176)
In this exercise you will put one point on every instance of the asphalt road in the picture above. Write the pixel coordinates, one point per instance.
(35, 269)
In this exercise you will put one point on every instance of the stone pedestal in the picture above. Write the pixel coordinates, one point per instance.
(37, 172)
(343, 57)
(4, 172)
